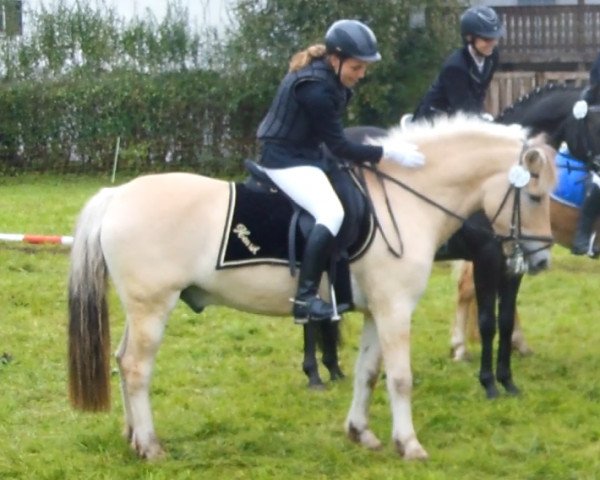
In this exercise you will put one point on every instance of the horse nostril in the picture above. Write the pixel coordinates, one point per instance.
(542, 264)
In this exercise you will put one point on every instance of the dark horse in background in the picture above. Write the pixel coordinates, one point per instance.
(546, 110)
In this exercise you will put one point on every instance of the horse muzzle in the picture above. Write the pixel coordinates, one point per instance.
(527, 257)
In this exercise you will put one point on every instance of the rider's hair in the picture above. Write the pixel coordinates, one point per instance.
(305, 57)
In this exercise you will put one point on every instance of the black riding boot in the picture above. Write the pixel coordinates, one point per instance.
(585, 225)
(307, 305)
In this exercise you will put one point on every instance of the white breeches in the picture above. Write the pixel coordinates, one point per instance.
(310, 188)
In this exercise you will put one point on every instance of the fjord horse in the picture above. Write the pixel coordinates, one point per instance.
(563, 219)
(181, 218)
(548, 110)
(545, 110)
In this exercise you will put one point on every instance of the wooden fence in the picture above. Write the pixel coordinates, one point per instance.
(552, 34)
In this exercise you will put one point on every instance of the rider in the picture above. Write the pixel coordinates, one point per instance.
(590, 209)
(306, 113)
(466, 74)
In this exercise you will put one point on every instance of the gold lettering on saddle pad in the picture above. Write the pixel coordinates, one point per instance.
(243, 234)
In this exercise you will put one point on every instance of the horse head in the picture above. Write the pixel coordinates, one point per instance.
(581, 130)
(527, 217)
(551, 109)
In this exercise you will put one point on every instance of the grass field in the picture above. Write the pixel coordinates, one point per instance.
(230, 400)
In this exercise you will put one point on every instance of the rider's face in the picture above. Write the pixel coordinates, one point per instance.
(484, 46)
(352, 71)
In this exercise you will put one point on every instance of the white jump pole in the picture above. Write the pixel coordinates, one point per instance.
(36, 239)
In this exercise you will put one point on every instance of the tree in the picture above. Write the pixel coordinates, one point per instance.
(267, 33)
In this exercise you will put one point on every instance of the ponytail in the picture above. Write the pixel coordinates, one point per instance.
(305, 57)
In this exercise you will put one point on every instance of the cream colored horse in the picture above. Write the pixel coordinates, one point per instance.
(160, 234)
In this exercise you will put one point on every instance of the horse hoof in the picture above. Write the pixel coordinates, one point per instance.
(525, 351)
(512, 389)
(491, 392)
(460, 354)
(317, 387)
(365, 437)
(412, 451)
(149, 450)
(337, 375)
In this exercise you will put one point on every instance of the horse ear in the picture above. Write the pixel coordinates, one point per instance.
(539, 160)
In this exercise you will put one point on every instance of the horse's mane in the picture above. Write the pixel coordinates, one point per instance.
(443, 127)
(525, 101)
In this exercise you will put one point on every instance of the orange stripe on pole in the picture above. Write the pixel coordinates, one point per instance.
(37, 239)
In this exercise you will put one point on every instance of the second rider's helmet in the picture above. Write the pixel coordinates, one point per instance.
(481, 21)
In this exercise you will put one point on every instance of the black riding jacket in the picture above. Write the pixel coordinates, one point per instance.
(305, 114)
(460, 86)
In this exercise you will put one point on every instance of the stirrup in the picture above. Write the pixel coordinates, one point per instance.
(303, 310)
(589, 250)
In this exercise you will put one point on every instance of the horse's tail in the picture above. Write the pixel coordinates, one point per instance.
(89, 332)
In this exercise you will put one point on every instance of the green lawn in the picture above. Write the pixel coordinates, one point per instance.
(229, 396)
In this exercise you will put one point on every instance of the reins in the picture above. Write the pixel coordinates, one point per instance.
(515, 234)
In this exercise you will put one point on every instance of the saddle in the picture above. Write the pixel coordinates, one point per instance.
(264, 226)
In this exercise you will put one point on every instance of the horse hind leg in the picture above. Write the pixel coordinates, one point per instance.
(466, 309)
(330, 333)
(309, 364)
(518, 342)
(145, 325)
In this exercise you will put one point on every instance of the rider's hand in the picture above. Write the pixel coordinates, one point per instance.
(405, 154)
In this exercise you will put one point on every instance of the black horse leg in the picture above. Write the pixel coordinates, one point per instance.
(330, 334)
(509, 288)
(309, 364)
(486, 269)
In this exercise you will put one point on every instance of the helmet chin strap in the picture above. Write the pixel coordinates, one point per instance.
(339, 70)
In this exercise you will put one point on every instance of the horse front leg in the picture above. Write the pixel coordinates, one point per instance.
(145, 326)
(366, 373)
(309, 363)
(486, 271)
(330, 335)
(394, 335)
(508, 292)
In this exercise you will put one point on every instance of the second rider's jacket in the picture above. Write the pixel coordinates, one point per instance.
(460, 86)
(306, 113)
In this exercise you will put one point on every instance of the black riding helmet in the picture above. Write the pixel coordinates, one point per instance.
(352, 39)
(481, 21)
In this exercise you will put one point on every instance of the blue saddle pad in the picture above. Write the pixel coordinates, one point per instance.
(572, 174)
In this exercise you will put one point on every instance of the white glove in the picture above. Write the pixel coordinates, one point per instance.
(405, 154)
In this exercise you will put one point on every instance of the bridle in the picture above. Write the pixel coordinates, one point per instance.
(591, 159)
(515, 260)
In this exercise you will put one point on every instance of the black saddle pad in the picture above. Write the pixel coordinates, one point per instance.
(256, 230)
